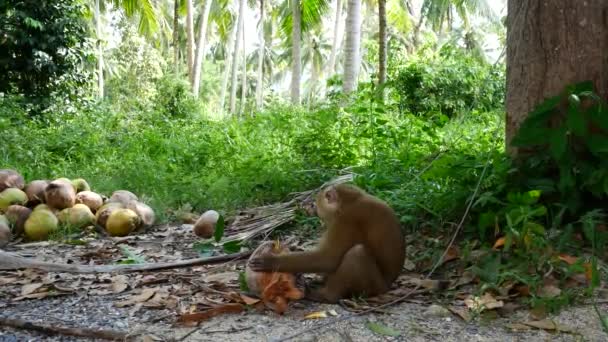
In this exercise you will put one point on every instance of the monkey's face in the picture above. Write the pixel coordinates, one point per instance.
(327, 203)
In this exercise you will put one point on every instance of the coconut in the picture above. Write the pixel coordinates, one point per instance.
(42, 206)
(205, 225)
(5, 231)
(90, 199)
(123, 196)
(12, 196)
(80, 185)
(17, 215)
(40, 225)
(59, 194)
(101, 216)
(11, 179)
(35, 192)
(121, 222)
(78, 216)
(145, 213)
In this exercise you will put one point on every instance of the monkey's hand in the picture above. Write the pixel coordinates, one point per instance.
(264, 263)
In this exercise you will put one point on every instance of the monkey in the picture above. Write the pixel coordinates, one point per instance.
(360, 253)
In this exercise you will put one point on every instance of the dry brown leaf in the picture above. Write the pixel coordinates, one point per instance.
(538, 312)
(37, 295)
(7, 280)
(499, 243)
(143, 296)
(429, 284)
(196, 317)
(549, 325)
(549, 291)
(570, 260)
(461, 312)
(517, 327)
(224, 277)
(316, 315)
(249, 300)
(30, 288)
(452, 254)
(485, 302)
(119, 283)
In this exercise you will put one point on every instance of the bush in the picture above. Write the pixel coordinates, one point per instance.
(174, 99)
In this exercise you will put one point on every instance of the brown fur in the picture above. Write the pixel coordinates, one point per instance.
(361, 252)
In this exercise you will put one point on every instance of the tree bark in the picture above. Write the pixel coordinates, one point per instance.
(190, 36)
(235, 55)
(352, 58)
(296, 35)
(200, 48)
(227, 66)
(176, 35)
(550, 45)
(336, 41)
(382, 46)
(259, 88)
(100, 80)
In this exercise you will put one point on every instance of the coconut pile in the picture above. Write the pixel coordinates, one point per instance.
(42, 207)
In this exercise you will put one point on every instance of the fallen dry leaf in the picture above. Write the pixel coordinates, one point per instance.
(7, 280)
(485, 302)
(549, 291)
(30, 288)
(570, 260)
(461, 312)
(517, 327)
(499, 243)
(196, 317)
(549, 325)
(316, 315)
(143, 296)
(224, 277)
(249, 300)
(452, 254)
(119, 283)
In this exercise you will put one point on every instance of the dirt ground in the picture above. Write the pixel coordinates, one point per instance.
(147, 304)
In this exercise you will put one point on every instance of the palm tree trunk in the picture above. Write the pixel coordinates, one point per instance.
(352, 58)
(382, 46)
(335, 41)
(243, 76)
(235, 54)
(259, 89)
(190, 36)
(200, 48)
(100, 81)
(227, 66)
(176, 35)
(295, 52)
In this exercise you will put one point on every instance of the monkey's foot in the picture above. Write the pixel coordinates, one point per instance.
(321, 295)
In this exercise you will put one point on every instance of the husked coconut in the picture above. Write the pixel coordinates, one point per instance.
(78, 216)
(101, 216)
(80, 185)
(40, 225)
(35, 192)
(121, 222)
(60, 194)
(17, 215)
(91, 199)
(11, 179)
(10, 196)
(5, 231)
(123, 196)
(144, 211)
(205, 225)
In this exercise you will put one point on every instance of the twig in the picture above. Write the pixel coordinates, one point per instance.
(57, 329)
(227, 331)
(11, 261)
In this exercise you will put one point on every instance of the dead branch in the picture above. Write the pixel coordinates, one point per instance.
(11, 261)
(62, 330)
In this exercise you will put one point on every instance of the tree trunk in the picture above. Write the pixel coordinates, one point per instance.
(296, 36)
(227, 66)
(352, 55)
(243, 75)
(190, 36)
(336, 42)
(259, 88)
(235, 55)
(200, 48)
(100, 81)
(550, 45)
(382, 46)
(176, 35)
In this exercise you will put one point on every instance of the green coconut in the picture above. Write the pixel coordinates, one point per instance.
(121, 222)
(12, 196)
(40, 225)
(80, 185)
(102, 214)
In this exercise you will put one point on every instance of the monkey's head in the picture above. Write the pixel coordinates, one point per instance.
(331, 199)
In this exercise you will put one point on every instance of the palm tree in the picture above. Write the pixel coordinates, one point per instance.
(176, 35)
(243, 76)
(315, 56)
(337, 39)
(259, 90)
(382, 43)
(100, 79)
(296, 33)
(200, 48)
(235, 54)
(352, 53)
(227, 64)
(190, 37)
(441, 12)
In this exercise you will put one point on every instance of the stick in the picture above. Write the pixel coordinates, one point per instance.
(57, 329)
(11, 261)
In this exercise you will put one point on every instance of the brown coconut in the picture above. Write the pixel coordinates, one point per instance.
(144, 211)
(5, 231)
(91, 199)
(35, 192)
(205, 225)
(101, 216)
(11, 179)
(123, 196)
(60, 194)
(17, 215)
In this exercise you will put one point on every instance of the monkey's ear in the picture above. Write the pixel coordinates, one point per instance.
(331, 195)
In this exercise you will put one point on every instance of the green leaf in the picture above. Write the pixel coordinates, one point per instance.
(558, 143)
(382, 329)
(232, 246)
(219, 229)
(132, 258)
(204, 249)
(244, 287)
(575, 121)
(545, 109)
